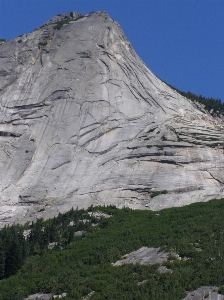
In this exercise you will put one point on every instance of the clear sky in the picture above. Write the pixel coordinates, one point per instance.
(181, 41)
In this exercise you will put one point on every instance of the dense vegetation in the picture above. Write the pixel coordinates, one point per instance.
(78, 265)
(215, 106)
(18, 242)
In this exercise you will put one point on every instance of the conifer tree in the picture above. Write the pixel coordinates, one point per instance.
(2, 260)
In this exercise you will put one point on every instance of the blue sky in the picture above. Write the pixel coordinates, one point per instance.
(181, 41)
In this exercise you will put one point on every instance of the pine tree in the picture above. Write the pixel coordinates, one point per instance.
(13, 260)
(2, 260)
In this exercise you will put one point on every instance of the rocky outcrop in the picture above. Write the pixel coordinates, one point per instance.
(143, 256)
(205, 293)
(46, 296)
(83, 121)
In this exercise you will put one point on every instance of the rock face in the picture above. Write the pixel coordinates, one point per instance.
(205, 293)
(143, 256)
(83, 121)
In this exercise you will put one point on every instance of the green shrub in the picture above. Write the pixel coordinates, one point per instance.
(60, 23)
(160, 147)
(43, 44)
(156, 193)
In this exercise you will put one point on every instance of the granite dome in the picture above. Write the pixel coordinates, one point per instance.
(83, 121)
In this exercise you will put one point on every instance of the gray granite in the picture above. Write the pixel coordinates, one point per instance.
(143, 256)
(84, 122)
(205, 293)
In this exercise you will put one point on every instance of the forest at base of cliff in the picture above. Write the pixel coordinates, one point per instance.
(49, 257)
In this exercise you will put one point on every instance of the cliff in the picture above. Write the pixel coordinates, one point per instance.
(83, 121)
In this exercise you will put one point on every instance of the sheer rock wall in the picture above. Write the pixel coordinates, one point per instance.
(83, 121)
